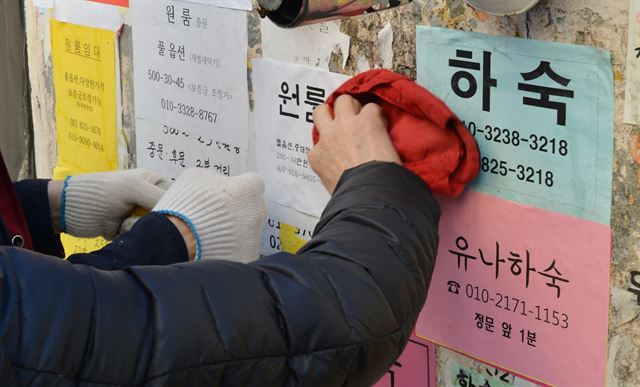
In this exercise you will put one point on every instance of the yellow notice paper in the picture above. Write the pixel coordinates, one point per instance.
(85, 85)
(84, 76)
(73, 245)
(290, 242)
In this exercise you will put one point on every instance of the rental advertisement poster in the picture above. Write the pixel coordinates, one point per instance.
(522, 274)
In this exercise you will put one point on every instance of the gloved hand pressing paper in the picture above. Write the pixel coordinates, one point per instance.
(225, 214)
(96, 204)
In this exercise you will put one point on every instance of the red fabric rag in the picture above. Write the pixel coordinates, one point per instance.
(431, 140)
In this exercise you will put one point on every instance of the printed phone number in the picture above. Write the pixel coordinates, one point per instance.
(513, 304)
(189, 111)
(535, 142)
(167, 79)
(522, 172)
(295, 173)
(87, 142)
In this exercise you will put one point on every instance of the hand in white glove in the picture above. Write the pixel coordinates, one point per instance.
(96, 204)
(225, 214)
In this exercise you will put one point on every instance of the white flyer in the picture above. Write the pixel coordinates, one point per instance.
(309, 45)
(86, 13)
(235, 4)
(285, 95)
(191, 93)
(43, 4)
(285, 229)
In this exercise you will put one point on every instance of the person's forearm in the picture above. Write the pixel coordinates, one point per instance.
(187, 235)
(154, 240)
(363, 276)
(55, 189)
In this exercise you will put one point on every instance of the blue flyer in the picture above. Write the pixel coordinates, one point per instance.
(541, 112)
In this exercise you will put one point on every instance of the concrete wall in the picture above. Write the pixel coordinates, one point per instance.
(15, 116)
(598, 23)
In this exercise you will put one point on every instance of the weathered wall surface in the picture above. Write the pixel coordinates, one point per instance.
(598, 23)
(15, 129)
(42, 93)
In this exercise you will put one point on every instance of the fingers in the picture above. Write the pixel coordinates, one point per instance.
(372, 109)
(128, 224)
(254, 181)
(322, 117)
(248, 184)
(147, 195)
(152, 178)
(164, 184)
(347, 106)
(313, 158)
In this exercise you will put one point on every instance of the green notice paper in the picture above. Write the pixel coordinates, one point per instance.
(541, 112)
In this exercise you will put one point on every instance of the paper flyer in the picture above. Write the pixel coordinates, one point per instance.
(88, 13)
(73, 245)
(84, 73)
(416, 366)
(541, 112)
(191, 92)
(522, 270)
(285, 96)
(310, 45)
(121, 3)
(234, 4)
(481, 374)
(514, 283)
(84, 80)
(285, 229)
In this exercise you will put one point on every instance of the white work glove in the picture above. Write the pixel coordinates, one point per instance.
(96, 204)
(225, 214)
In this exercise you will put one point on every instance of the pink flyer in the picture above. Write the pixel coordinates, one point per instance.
(523, 288)
(416, 367)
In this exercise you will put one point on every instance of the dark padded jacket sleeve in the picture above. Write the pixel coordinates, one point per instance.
(336, 314)
(153, 240)
(34, 198)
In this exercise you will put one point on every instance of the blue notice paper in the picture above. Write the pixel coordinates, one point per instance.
(541, 112)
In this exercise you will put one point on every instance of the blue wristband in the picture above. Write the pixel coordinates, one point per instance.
(192, 227)
(63, 205)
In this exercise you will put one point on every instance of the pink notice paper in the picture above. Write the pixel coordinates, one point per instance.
(416, 367)
(522, 288)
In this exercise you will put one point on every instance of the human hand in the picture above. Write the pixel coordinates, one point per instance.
(96, 204)
(224, 214)
(350, 136)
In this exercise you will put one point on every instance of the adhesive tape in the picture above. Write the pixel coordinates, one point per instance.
(502, 7)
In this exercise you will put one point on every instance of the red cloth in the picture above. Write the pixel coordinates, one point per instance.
(430, 139)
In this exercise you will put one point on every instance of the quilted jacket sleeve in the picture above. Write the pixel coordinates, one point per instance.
(337, 313)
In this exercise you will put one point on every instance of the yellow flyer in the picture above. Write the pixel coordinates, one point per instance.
(84, 76)
(289, 239)
(73, 245)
